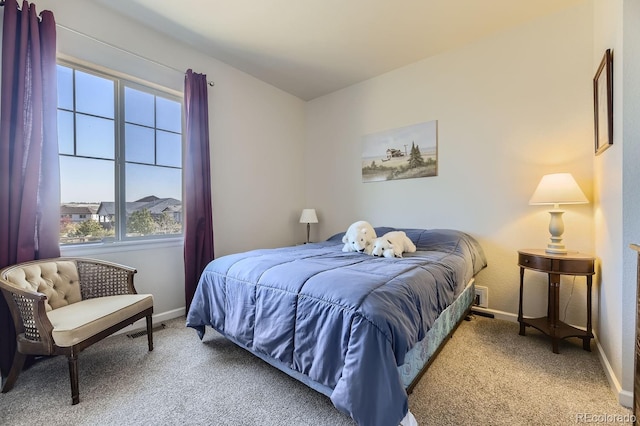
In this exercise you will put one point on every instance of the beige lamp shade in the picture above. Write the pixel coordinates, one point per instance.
(558, 188)
(308, 216)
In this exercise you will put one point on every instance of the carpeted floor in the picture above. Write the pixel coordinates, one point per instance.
(486, 374)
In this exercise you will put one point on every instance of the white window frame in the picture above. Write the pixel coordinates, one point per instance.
(122, 242)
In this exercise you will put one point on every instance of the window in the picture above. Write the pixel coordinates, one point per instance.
(120, 151)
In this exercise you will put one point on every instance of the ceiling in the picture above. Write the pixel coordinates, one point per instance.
(313, 47)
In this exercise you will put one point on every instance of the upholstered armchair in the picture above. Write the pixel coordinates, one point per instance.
(61, 306)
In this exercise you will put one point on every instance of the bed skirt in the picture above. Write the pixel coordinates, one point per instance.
(422, 353)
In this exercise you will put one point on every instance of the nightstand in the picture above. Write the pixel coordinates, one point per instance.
(555, 265)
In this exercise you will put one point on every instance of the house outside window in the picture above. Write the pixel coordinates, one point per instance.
(120, 151)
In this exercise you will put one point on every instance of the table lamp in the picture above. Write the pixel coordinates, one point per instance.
(556, 189)
(308, 216)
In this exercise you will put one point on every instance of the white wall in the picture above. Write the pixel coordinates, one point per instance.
(510, 108)
(631, 179)
(608, 191)
(255, 134)
(616, 175)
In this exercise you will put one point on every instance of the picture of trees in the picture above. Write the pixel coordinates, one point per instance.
(402, 153)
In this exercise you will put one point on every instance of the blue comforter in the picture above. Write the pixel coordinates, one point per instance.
(341, 321)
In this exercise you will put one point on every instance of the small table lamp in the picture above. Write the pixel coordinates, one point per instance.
(308, 216)
(556, 189)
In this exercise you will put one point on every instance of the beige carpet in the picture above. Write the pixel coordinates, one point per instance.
(486, 375)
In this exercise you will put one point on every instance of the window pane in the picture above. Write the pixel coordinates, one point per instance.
(138, 107)
(153, 200)
(87, 194)
(144, 181)
(65, 132)
(139, 144)
(168, 115)
(65, 87)
(169, 149)
(95, 137)
(85, 180)
(94, 95)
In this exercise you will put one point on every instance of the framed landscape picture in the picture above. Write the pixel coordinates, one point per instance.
(402, 153)
(603, 103)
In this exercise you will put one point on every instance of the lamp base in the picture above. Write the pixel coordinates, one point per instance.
(556, 249)
(556, 229)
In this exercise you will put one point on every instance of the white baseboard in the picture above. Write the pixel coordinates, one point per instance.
(625, 397)
(157, 318)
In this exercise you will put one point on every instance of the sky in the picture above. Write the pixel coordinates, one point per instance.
(93, 181)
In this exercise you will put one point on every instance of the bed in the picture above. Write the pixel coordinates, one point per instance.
(357, 328)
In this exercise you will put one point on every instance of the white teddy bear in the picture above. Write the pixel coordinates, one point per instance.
(358, 237)
(392, 244)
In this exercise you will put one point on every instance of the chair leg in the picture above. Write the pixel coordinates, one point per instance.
(73, 376)
(150, 332)
(16, 368)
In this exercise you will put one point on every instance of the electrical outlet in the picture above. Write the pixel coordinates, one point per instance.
(482, 297)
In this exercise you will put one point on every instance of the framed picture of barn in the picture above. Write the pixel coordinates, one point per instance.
(402, 153)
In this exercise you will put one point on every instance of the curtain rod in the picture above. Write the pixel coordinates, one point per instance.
(210, 83)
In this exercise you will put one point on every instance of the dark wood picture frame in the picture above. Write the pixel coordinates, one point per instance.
(603, 103)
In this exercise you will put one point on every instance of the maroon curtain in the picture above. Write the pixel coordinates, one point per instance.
(29, 168)
(197, 218)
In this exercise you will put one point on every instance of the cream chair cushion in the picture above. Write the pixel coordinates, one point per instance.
(59, 281)
(79, 321)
